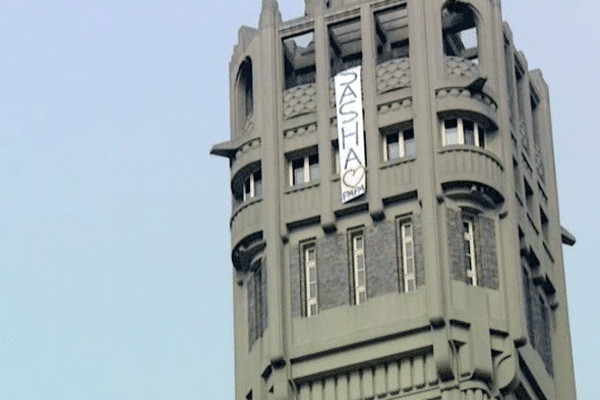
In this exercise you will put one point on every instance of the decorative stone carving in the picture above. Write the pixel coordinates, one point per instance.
(394, 106)
(463, 92)
(458, 66)
(299, 100)
(311, 128)
(393, 74)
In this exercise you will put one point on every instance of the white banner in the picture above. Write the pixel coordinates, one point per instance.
(348, 101)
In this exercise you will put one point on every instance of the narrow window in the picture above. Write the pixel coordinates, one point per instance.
(391, 27)
(545, 228)
(399, 144)
(450, 135)
(257, 302)
(253, 186)
(303, 169)
(310, 273)
(459, 32)
(299, 60)
(345, 45)
(358, 267)
(517, 177)
(408, 256)
(335, 150)
(462, 131)
(528, 306)
(528, 196)
(244, 96)
(469, 243)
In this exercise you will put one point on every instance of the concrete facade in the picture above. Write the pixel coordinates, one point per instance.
(457, 243)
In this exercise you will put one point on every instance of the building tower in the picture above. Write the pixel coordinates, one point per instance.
(445, 278)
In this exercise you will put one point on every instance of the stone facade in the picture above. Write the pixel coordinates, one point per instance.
(483, 156)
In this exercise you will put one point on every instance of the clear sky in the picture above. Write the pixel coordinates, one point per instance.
(115, 279)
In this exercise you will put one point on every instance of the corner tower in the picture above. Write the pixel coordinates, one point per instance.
(445, 279)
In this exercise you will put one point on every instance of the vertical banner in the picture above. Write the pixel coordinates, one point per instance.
(348, 104)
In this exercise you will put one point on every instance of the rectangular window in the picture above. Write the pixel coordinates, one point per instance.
(391, 28)
(303, 169)
(253, 186)
(345, 45)
(299, 60)
(528, 196)
(257, 302)
(408, 256)
(335, 149)
(310, 274)
(462, 131)
(469, 243)
(399, 144)
(545, 228)
(358, 266)
(460, 31)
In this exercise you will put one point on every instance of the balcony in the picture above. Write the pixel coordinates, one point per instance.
(463, 163)
(397, 178)
(303, 203)
(247, 219)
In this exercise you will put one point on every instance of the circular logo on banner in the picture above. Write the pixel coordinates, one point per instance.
(352, 177)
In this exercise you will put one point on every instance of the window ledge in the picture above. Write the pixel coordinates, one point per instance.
(308, 185)
(470, 148)
(398, 161)
(244, 205)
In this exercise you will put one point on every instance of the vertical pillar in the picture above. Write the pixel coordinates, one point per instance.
(321, 37)
(509, 262)
(424, 30)
(269, 97)
(369, 88)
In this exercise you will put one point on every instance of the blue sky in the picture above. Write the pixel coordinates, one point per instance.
(114, 241)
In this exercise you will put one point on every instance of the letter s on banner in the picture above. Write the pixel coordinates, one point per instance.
(348, 106)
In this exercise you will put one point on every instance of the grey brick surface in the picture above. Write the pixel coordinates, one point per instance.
(250, 287)
(381, 259)
(264, 309)
(455, 246)
(485, 242)
(418, 244)
(332, 271)
(295, 281)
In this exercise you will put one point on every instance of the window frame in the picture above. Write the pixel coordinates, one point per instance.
(468, 222)
(479, 133)
(454, 40)
(407, 242)
(251, 182)
(401, 135)
(311, 299)
(307, 166)
(360, 290)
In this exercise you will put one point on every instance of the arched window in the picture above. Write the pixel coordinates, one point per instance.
(244, 94)
(459, 32)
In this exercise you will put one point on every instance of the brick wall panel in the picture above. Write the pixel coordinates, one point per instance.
(487, 264)
(455, 246)
(419, 255)
(250, 287)
(264, 309)
(295, 282)
(381, 259)
(332, 271)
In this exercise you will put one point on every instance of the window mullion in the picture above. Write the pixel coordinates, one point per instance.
(401, 151)
(306, 169)
(385, 148)
(461, 132)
